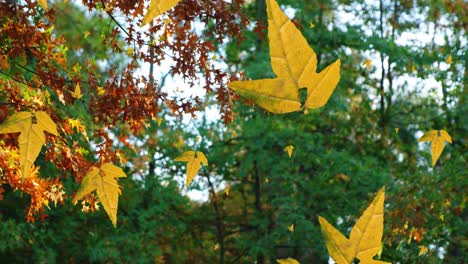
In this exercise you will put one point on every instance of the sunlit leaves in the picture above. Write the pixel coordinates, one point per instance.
(103, 180)
(32, 127)
(156, 8)
(449, 59)
(365, 239)
(295, 65)
(194, 162)
(437, 139)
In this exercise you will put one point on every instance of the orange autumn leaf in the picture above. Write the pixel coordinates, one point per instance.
(295, 65)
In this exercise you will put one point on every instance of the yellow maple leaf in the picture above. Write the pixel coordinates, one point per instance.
(287, 261)
(194, 162)
(422, 250)
(156, 8)
(368, 64)
(449, 59)
(289, 149)
(365, 239)
(437, 138)
(291, 228)
(43, 3)
(103, 181)
(77, 93)
(295, 65)
(32, 135)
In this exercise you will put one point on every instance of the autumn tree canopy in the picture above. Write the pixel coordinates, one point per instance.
(262, 131)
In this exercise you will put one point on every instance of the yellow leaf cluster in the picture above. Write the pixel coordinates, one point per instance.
(437, 138)
(295, 65)
(365, 239)
(194, 162)
(32, 127)
(103, 181)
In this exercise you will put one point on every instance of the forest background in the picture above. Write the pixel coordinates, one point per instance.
(150, 93)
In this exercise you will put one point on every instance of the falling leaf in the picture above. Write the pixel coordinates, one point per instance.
(368, 64)
(289, 149)
(422, 250)
(156, 8)
(295, 65)
(396, 130)
(449, 59)
(287, 261)
(103, 181)
(43, 3)
(194, 161)
(32, 135)
(311, 25)
(77, 93)
(365, 239)
(227, 190)
(437, 138)
(291, 228)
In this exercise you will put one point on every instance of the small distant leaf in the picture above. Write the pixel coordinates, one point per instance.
(289, 149)
(368, 64)
(156, 8)
(311, 25)
(449, 59)
(365, 239)
(422, 250)
(227, 190)
(287, 261)
(396, 130)
(194, 162)
(77, 93)
(291, 228)
(104, 182)
(267, 180)
(442, 217)
(437, 138)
